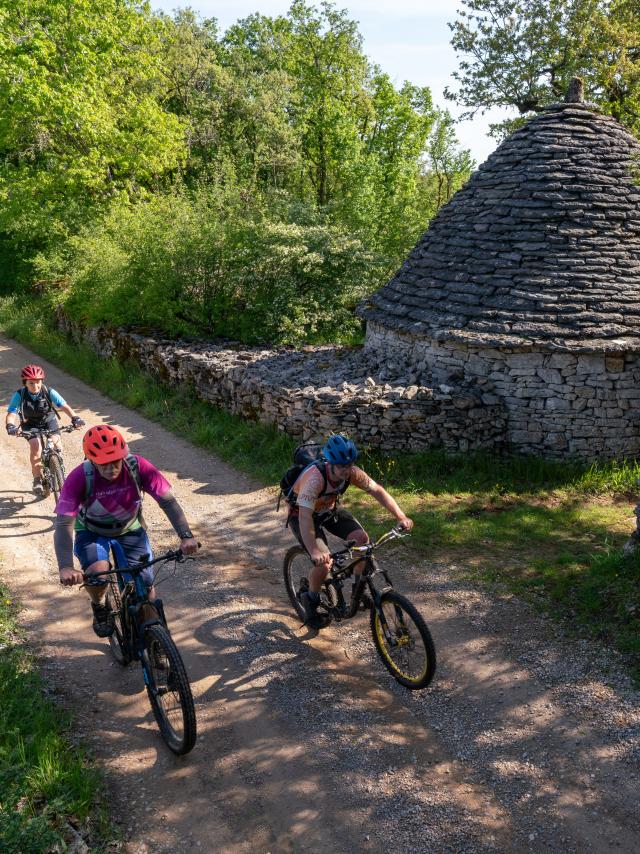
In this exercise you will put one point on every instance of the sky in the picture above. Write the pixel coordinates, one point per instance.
(408, 39)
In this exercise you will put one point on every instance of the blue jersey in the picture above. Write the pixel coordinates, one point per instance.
(14, 403)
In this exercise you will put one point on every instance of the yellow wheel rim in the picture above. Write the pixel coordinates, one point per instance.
(403, 641)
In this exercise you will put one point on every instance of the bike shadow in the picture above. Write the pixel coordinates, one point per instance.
(12, 503)
(234, 649)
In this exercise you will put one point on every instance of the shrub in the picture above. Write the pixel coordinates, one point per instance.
(182, 265)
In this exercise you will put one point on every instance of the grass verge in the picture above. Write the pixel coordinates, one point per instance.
(550, 531)
(48, 788)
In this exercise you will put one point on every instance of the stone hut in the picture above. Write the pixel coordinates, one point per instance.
(529, 278)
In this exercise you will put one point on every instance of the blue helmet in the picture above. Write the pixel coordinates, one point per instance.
(340, 451)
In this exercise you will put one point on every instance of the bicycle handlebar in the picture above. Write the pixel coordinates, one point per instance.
(173, 554)
(394, 534)
(38, 431)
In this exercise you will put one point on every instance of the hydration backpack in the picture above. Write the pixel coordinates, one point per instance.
(304, 456)
(47, 394)
(131, 464)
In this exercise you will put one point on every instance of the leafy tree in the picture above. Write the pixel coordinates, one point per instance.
(449, 168)
(260, 129)
(330, 70)
(255, 184)
(80, 116)
(355, 145)
(522, 54)
(194, 80)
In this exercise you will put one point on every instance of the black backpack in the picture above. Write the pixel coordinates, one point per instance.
(309, 454)
(47, 394)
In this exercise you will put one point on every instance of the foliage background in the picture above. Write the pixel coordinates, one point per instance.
(254, 184)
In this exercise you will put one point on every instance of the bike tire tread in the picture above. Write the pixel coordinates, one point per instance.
(425, 635)
(178, 745)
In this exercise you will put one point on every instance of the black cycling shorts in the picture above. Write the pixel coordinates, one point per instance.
(338, 522)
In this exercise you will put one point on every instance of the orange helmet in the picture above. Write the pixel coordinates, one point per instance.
(104, 444)
(31, 372)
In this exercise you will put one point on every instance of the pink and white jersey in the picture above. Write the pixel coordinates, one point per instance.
(310, 485)
(110, 502)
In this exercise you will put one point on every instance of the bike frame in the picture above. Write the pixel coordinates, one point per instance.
(134, 597)
(46, 442)
(343, 564)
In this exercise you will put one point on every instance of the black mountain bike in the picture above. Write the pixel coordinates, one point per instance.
(53, 473)
(400, 634)
(141, 634)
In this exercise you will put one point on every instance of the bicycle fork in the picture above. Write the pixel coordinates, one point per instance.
(393, 639)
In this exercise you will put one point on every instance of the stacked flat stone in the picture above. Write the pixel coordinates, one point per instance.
(541, 247)
(312, 392)
(514, 323)
(530, 279)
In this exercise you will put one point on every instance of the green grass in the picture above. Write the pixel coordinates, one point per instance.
(45, 783)
(550, 531)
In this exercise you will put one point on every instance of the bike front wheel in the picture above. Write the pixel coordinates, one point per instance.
(404, 644)
(169, 690)
(56, 474)
(117, 639)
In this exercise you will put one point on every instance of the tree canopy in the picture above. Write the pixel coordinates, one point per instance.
(522, 54)
(82, 115)
(118, 121)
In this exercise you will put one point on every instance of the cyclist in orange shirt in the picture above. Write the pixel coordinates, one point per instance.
(314, 510)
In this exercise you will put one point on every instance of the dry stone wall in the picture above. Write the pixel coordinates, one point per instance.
(557, 404)
(308, 393)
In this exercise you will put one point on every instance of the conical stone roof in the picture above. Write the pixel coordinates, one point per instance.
(540, 248)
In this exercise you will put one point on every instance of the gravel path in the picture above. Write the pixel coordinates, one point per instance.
(527, 740)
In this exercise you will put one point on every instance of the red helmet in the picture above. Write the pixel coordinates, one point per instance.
(104, 444)
(31, 372)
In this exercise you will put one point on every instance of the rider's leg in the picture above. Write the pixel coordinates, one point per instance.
(92, 551)
(35, 457)
(97, 593)
(137, 548)
(310, 599)
(102, 617)
(345, 526)
(319, 573)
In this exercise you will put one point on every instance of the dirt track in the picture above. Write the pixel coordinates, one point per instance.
(305, 743)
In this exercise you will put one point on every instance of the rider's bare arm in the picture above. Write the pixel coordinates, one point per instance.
(169, 505)
(67, 410)
(388, 502)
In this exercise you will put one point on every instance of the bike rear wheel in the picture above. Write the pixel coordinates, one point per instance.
(407, 650)
(169, 690)
(296, 568)
(117, 640)
(56, 474)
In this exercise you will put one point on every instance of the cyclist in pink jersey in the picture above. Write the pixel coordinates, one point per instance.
(313, 509)
(101, 500)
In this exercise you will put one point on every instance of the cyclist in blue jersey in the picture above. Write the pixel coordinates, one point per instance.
(36, 406)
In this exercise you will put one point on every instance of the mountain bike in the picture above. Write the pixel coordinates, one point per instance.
(53, 473)
(400, 634)
(141, 634)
